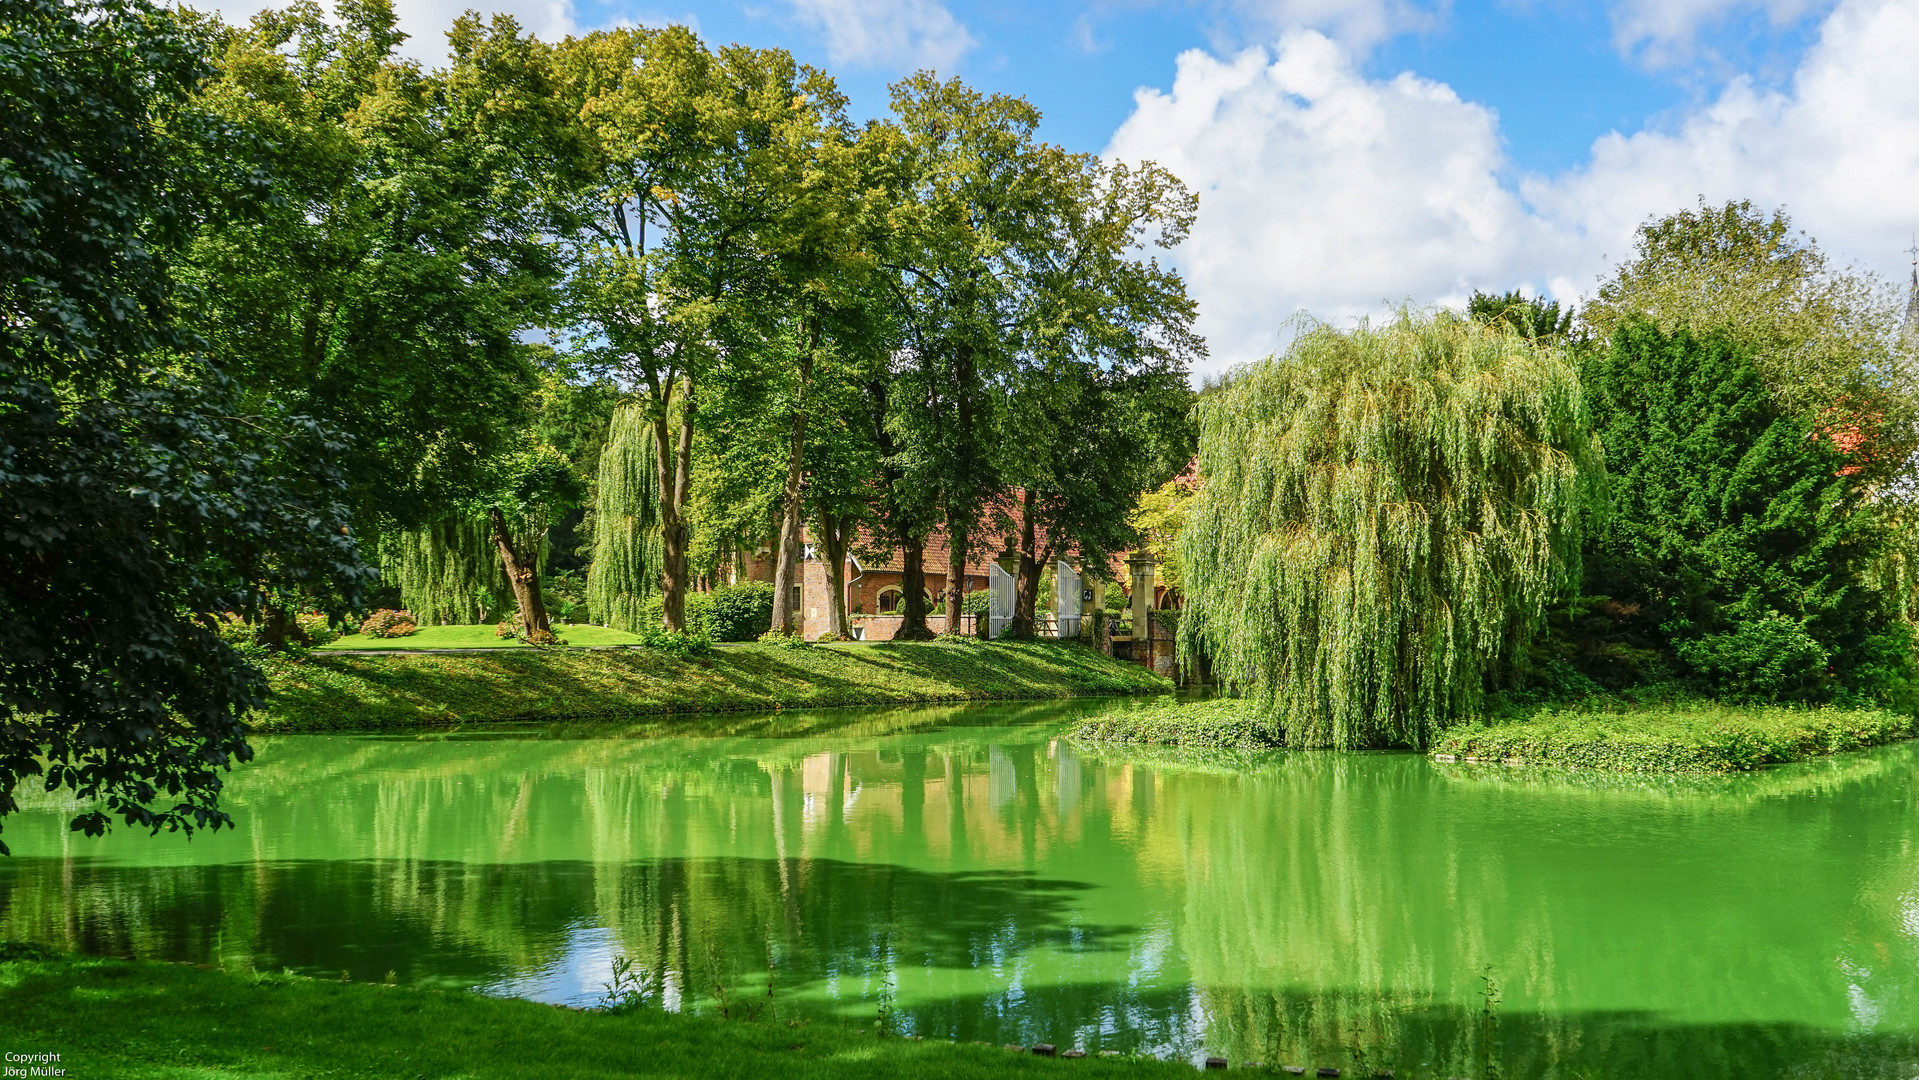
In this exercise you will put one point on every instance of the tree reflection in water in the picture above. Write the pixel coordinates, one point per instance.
(993, 881)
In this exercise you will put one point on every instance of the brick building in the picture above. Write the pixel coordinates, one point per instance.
(874, 588)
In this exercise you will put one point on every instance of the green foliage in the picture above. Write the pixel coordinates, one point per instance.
(1823, 339)
(679, 644)
(143, 490)
(1531, 317)
(1215, 723)
(626, 525)
(1383, 518)
(741, 612)
(317, 628)
(978, 602)
(387, 623)
(380, 280)
(784, 641)
(448, 572)
(1702, 738)
(1161, 519)
(1737, 540)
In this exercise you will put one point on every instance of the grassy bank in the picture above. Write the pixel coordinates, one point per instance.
(146, 1021)
(1696, 737)
(1679, 737)
(477, 637)
(332, 692)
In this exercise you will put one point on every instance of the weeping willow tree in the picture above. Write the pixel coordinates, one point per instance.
(626, 523)
(448, 572)
(1383, 516)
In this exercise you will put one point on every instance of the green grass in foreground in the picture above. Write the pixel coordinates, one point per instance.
(148, 1021)
(325, 691)
(1695, 737)
(479, 637)
(1681, 737)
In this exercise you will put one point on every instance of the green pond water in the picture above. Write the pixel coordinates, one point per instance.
(974, 875)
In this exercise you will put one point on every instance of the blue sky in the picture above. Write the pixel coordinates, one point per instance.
(1554, 71)
(1351, 155)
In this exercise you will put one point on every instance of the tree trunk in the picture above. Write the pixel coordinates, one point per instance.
(958, 541)
(786, 565)
(278, 629)
(913, 585)
(1026, 589)
(675, 456)
(961, 507)
(833, 550)
(523, 575)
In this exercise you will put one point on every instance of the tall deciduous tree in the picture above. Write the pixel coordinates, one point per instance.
(689, 164)
(969, 190)
(1100, 402)
(1823, 338)
(397, 252)
(1385, 514)
(141, 491)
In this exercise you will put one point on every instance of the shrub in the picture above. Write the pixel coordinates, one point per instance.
(978, 602)
(676, 644)
(1769, 659)
(739, 612)
(509, 627)
(319, 629)
(388, 623)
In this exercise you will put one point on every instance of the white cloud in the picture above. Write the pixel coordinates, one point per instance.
(1356, 24)
(1330, 192)
(1663, 32)
(892, 34)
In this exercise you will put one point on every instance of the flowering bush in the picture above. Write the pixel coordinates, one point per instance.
(387, 623)
(319, 630)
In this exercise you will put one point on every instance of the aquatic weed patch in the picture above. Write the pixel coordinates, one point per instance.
(1216, 723)
(1697, 738)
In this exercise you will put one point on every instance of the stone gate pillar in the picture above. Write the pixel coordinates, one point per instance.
(1140, 565)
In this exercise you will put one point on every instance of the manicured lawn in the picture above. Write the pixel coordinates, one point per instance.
(147, 1021)
(328, 691)
(479, 637)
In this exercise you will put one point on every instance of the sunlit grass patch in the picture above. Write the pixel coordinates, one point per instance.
(193, 1022)
(329, 691)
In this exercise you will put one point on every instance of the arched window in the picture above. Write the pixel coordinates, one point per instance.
(889, 601)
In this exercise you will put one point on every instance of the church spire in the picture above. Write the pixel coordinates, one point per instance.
(1909, 330)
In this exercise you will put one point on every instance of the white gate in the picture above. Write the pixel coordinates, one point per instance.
(1000, 614)
(1066, 600)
